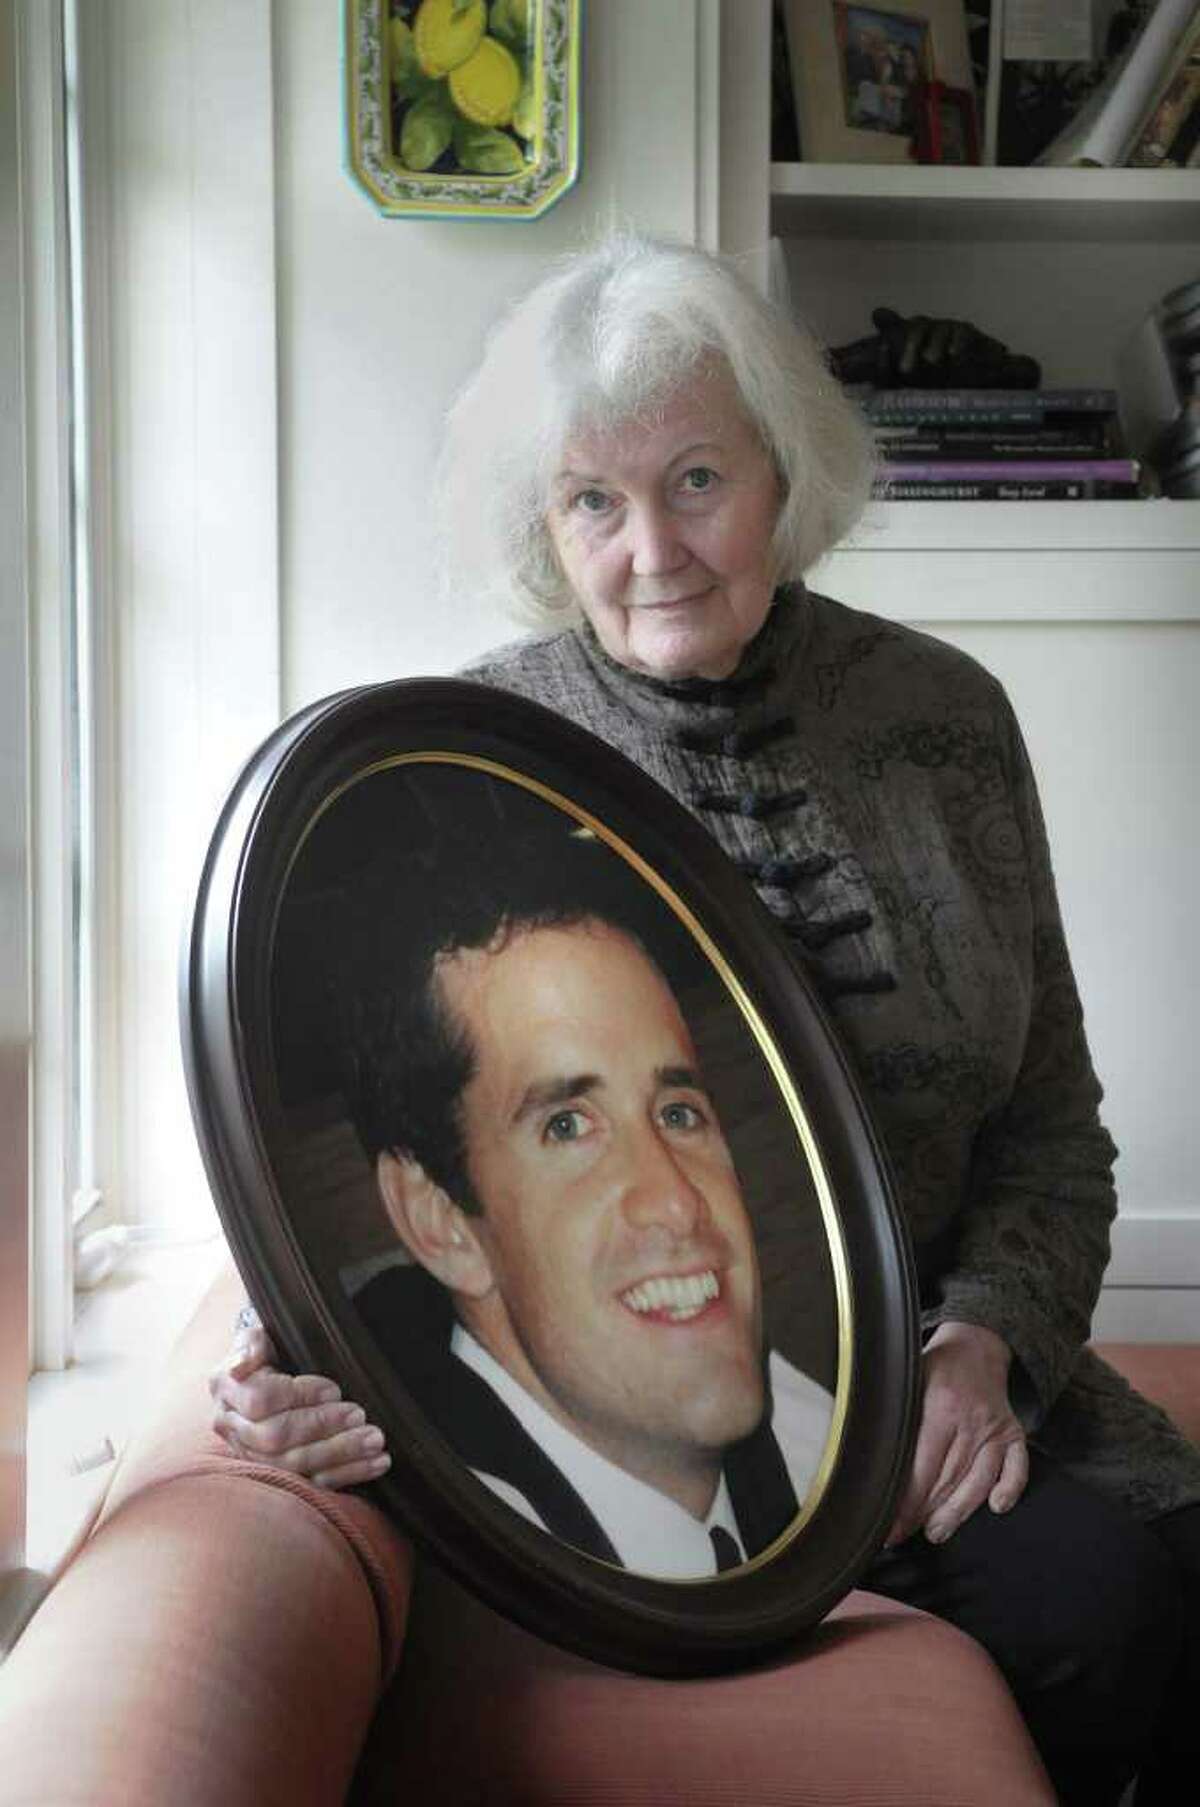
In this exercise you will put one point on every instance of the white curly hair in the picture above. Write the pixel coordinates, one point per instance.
(608, 335)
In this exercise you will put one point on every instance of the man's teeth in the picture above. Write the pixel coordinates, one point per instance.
(681, 1296)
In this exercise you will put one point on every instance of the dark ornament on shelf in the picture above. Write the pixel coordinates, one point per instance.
(922, 352)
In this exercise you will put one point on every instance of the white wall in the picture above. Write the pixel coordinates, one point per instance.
(278, 358)
(381, 320)
(14, 838)
(181, 232)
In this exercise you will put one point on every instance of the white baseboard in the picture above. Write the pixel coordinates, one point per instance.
(1152, 1287)
(1147, 1314)
(1151, 1250)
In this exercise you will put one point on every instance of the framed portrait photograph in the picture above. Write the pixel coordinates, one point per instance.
(525, 1126)
(857, 70)
(947, 125)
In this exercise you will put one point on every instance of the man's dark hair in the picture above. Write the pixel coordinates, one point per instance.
(403, 1057)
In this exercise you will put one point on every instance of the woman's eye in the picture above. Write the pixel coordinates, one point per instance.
(590, 501)
(565, 1126)
(699, 479)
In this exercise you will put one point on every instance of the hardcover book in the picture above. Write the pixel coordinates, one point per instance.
(1052, 490)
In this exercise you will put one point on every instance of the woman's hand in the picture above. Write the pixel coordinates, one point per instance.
(295, 1421)
(970, 1447)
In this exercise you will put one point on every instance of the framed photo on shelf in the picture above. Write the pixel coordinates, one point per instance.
(525, 1127)
(857, 70)
(947, 125)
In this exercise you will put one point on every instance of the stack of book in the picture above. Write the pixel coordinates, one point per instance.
(1000, 445)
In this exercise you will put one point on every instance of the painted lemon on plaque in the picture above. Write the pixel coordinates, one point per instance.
(485, 88)
(447, 32)
(464, 86)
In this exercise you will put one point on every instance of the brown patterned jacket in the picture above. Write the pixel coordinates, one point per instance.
(873, 784)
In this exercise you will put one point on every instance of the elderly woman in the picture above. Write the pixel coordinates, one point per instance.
(645, 466)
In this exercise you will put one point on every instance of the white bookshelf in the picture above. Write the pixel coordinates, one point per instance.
(888, 201)
(1158, 525)
(1060, 264)
(1088, 612)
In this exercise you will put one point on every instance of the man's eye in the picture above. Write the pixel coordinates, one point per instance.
(679, 1115)
(699, 479)
(565, 1126)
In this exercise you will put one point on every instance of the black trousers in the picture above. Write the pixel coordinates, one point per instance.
(1093, 1619)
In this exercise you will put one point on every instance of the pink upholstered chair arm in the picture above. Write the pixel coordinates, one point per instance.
(228, 1635)
(221, 1637)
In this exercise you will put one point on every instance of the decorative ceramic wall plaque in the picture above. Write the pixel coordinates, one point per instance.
(461, 109)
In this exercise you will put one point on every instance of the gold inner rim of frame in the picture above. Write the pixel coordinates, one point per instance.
(767, 1048)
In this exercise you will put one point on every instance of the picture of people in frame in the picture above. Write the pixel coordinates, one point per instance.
(883, 56)
(557, 1112)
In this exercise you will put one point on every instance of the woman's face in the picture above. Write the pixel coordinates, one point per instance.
(663, 531)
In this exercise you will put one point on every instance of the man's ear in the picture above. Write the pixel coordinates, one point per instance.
(435, 1231)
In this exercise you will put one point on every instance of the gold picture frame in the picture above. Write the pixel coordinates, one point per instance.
(856, 70)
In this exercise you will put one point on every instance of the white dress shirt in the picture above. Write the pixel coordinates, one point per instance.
(650, 1532)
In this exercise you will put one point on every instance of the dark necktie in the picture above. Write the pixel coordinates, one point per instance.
(727, 1553)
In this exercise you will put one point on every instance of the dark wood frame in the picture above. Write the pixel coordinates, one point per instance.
(612, 1615)
(928, 143)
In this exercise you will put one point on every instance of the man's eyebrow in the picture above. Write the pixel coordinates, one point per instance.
(687, 1077)
(546, 1092)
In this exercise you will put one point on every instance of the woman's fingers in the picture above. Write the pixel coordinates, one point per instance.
(997, 1473)
(1014, 1477)
(284, 1436)
(934, 1439)
(331, 1446)
(299, 1422)
(357, 1472)
(270, 1394)
(970, 1447)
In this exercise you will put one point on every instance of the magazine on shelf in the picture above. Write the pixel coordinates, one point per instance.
(1102, 132)
(1183, 152)
(1030, 470)
(1175, 99)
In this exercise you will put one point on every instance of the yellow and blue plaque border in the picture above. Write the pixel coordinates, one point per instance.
(552, 151)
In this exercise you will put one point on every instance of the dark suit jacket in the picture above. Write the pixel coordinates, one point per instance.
(411, 1318)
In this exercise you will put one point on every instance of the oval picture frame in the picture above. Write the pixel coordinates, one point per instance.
(755, 1305)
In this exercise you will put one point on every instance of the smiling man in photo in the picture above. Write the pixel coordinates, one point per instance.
(548, 1154)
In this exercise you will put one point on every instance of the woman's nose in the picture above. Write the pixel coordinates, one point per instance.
(655, 544)
(659, 1193)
